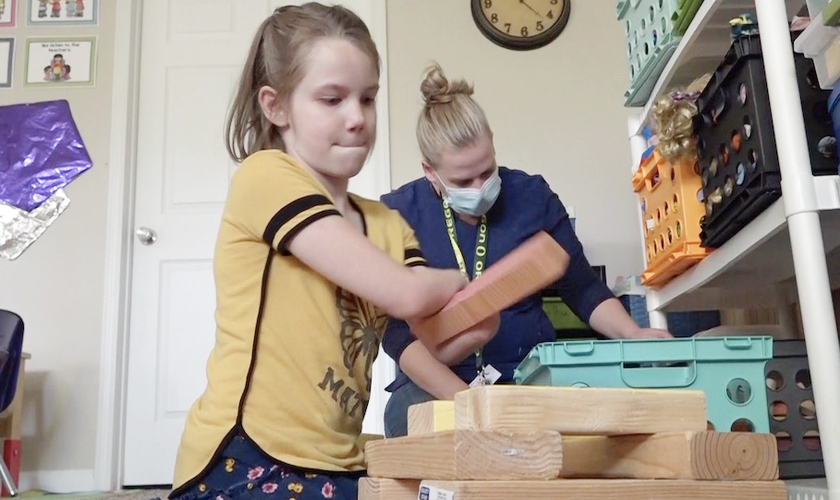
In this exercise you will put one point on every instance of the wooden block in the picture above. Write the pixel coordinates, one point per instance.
(364, 438)
(532, 266)
(678, 455)
(430, 417)
(574, 410)
(373, 488)
(467, 455)
(604, 489)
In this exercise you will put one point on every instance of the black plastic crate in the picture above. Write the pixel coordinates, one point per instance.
(737, 150)
(793, 418)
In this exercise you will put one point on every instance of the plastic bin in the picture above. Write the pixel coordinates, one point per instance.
(793, 418)
(561, 316)
(685, 14)
(730, 370)
(821, 44)
(671, 213)
(831, 13)
(649, 29)
(736, 142)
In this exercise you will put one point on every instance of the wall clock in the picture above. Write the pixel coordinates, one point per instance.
(521, 24)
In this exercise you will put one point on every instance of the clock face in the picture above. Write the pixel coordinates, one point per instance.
(521, 24)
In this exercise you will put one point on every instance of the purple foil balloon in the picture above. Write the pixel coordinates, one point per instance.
(41, 152)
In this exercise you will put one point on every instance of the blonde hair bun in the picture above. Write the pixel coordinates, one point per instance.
(437, 89)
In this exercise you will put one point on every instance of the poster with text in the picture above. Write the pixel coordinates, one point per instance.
(8, 13)
(70, 12)
(60, 62)
(7, 59)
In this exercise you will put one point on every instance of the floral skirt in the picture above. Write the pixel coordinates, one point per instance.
(245, 472)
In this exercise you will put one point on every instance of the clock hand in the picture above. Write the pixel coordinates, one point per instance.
(532, 9)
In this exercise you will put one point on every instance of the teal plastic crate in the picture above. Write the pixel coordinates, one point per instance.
(729, 370)
(652, 30)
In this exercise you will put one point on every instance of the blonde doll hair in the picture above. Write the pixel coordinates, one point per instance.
(672, 115)
(450, 117)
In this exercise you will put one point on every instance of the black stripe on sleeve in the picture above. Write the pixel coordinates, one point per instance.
(413, 253)
(417, 263)
(281, 247)
(286, 214)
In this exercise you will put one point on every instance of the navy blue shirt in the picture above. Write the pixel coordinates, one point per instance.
(526, 205)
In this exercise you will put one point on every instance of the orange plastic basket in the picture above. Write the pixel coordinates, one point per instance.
(671, 212)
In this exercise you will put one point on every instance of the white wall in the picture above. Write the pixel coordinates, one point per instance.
(556, 111)
(57, 284)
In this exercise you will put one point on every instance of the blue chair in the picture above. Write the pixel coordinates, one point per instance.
(11, 352)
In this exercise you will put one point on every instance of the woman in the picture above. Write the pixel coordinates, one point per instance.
(467, 213)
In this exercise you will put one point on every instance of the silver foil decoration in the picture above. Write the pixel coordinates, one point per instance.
(19, 229)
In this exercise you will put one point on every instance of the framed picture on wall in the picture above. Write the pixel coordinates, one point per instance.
(69, 12)
(8, 11)
(7, 59)
(60, 62)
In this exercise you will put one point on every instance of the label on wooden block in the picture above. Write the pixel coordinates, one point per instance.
(432, 493)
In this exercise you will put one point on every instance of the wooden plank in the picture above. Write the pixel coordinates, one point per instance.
(467, 455)
(575, 410)
(536, 263)
(604, 489)
(374, 488)
(364, 438)
(678, 455)
(430, 417)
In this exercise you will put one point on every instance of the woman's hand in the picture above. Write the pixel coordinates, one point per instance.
(648, 333)
(457, 348)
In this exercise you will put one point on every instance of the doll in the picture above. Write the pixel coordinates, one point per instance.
(672, 115)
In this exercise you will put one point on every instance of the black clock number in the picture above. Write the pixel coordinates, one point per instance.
(507, 27)
(524, 31)
(494, 18)
(489, 3)
(540, 26)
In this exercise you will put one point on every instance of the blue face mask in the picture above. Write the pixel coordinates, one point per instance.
(474, 201)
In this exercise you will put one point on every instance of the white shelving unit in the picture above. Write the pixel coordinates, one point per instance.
(786, 252)
(807, 489)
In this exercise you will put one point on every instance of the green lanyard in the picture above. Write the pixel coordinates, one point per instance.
(478, 265)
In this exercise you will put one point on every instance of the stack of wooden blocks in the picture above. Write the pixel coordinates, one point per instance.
(510, 442)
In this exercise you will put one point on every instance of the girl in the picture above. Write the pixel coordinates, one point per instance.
(306, 273)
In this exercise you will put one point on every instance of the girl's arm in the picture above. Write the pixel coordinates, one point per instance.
(339, 252)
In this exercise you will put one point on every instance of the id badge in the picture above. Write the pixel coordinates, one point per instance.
(489, 376)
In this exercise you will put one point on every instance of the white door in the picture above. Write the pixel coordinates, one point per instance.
(192, 52)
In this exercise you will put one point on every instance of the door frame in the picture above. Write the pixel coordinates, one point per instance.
(119, 236)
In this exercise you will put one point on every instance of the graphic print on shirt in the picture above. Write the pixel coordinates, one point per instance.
(361, 329)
